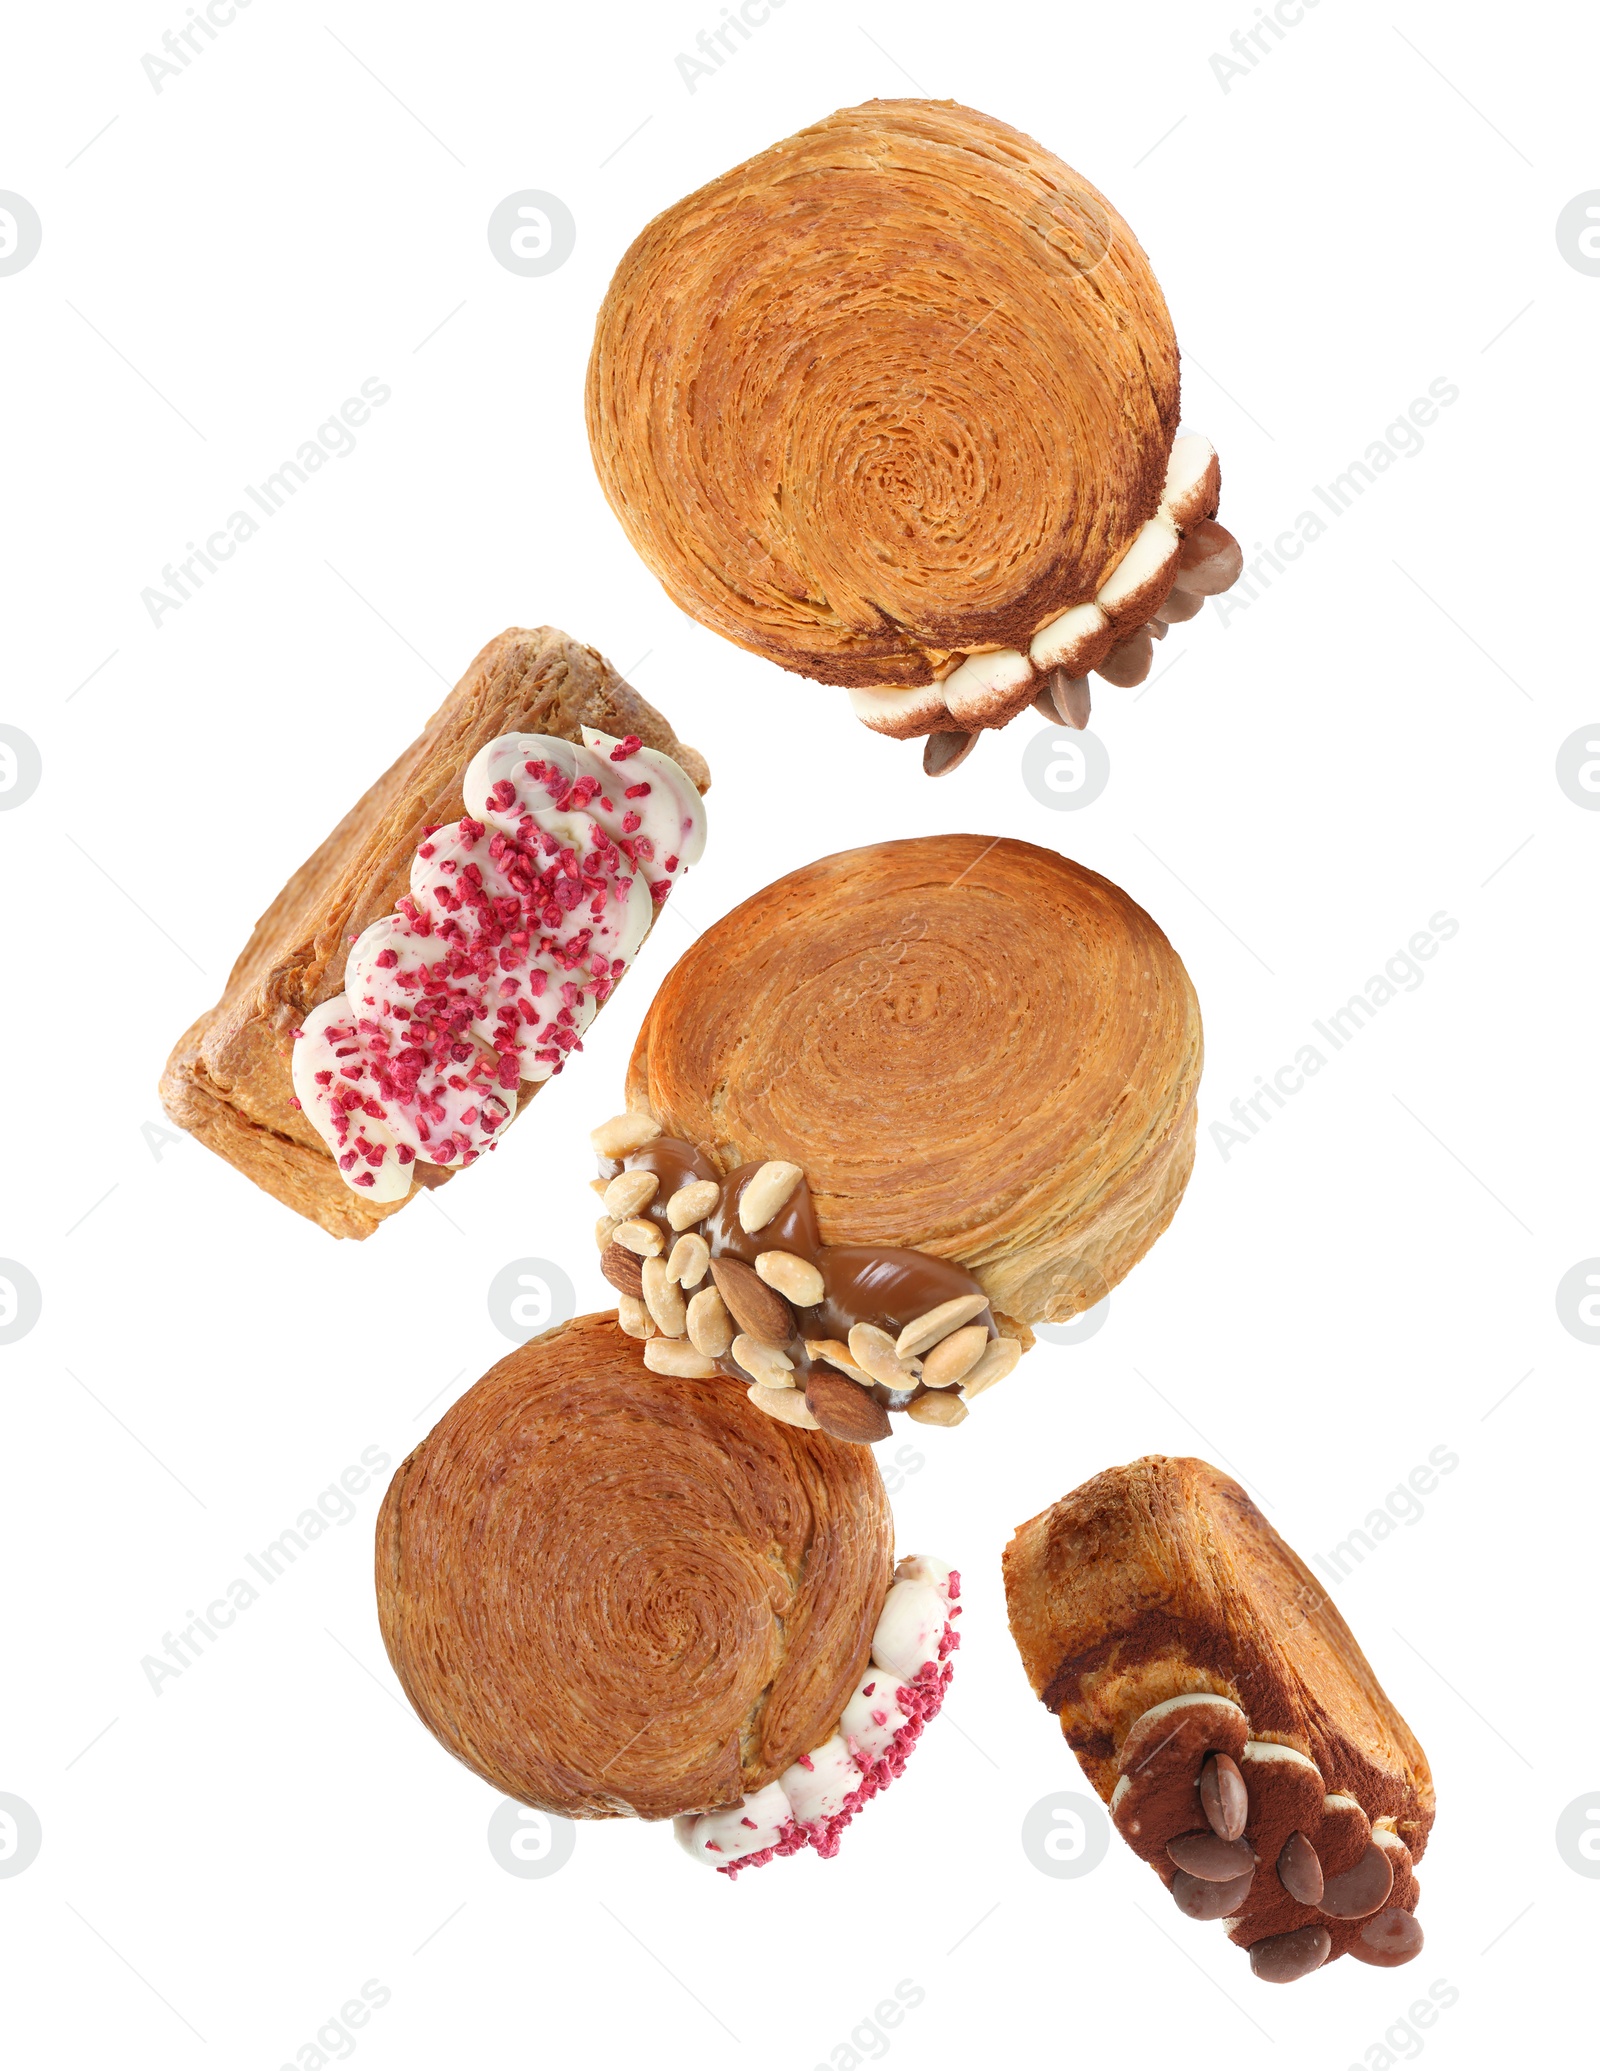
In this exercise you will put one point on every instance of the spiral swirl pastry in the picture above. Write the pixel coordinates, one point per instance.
(610, 1592)
(890, 400)
(973, 1048)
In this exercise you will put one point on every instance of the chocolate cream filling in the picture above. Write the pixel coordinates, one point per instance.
(885, 1287)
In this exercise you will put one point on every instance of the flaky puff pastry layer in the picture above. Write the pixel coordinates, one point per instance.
(228, 1080)
(613, 1592)
(972, 1047)
(902, 387)
(1162, 1578)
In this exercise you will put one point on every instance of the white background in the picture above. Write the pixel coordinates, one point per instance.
(1297, 791)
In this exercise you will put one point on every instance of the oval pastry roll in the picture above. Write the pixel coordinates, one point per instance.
(443, 953)
(1225, 1714)
(895, 405)
(615, 1593)
(973, 1050)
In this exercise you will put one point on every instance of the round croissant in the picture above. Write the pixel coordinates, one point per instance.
(899, 390)
(614, 1592)
(972, 1047)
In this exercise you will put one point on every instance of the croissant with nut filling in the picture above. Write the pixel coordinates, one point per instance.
(442, 952)
(889, 1112)
(895, 405)
(1221, 1707)
(612, 1593)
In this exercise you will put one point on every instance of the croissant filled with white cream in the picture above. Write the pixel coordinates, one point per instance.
(440, 956)
(620, 1594)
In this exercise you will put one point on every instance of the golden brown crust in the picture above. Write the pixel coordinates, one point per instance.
(228, 1079)
(972, 1047)
(609, 1591)
(1161, 1578)
(901, 387)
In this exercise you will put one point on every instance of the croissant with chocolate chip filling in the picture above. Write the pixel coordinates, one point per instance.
(1222, 1708)
(894, 404)
(972, 1047)
(231, 1080)
(613, 1593)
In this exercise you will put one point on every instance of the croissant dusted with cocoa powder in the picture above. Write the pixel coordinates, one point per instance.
(895, 405)
(614, 1593)
(971, 1047)
(1221, 1707)
(366, 1040)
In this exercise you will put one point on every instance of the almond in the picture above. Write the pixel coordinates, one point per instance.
(759, 1311)
(844, 1409)
(621, 1268)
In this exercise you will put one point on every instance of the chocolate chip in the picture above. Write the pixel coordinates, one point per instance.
(1282, 1958)
(1161, 1759)
(1223, 1797)
(844, 1408)
(1128, 662)
(1209, 561)
(1362, 1890)
(1299, 1871)
(759, 1310)
(1389, 1939)
(1180, 605)
(1070, 697)
(1202, 1899)
(624, 1269)
(943, 752)
(1210, 1857)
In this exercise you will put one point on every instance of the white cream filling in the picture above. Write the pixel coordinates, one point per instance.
(967, 690)
(1169, 1705)
(814, 1789)
(910, 1628)
(536, 999)
(873, 1716)
(1276, 1751)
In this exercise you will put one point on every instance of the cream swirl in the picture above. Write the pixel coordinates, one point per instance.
(519, 922)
